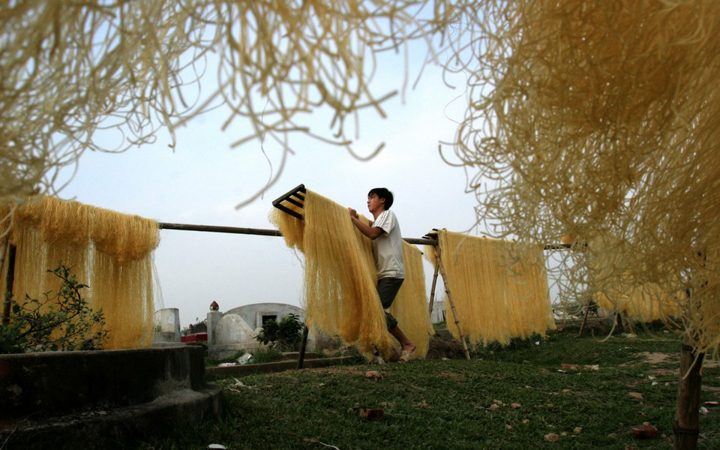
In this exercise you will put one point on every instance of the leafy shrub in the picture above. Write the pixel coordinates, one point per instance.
(61, 321)
(284, 335)
(269, 354)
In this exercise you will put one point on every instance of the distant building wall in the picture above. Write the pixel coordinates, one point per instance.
(235, 329)
(253, 314)
(438, 312)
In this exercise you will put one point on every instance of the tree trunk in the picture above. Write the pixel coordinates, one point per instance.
(687, 411)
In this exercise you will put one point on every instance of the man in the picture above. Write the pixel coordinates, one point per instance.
(387, 250)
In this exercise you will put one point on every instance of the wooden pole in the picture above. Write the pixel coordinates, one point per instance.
(9, 284)
(303, 345)
(452, 304)
(3, 254)
(255, 231)
(218, 229)
(432, 289)
(687, 416)
(620, 329)
(585, 317)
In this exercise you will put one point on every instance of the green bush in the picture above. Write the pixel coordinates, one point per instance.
(284, 335)
(61, 321)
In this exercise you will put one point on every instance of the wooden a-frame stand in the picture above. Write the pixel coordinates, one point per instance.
(439, 268)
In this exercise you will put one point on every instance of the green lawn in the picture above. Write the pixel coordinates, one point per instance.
(584, 392)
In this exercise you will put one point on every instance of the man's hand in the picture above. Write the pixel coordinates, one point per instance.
(367, 230)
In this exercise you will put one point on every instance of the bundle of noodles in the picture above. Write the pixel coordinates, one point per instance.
(122, 275)
(410, 306)
(49, 232)
(596, 118)
(644, 302)
(496, 297)
(109, 251)
(340, 279)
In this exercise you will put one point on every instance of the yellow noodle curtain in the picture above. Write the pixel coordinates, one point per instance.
(499, 288)
(644, 303)
(340, 280)
(616, 287)
(109, 251)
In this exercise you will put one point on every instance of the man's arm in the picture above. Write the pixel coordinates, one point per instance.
(367, 230)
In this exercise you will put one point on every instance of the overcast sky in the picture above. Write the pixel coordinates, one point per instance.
(202, 180)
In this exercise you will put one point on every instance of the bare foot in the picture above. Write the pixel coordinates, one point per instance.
(408, 350)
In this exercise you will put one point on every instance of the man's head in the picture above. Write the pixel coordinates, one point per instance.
(384, 196)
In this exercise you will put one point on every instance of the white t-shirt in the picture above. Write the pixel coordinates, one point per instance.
(387, 248)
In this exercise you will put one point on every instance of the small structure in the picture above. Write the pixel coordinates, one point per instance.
(236, 329)
(167, 326)
(437, 315)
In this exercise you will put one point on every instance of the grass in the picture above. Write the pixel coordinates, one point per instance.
(588, 392)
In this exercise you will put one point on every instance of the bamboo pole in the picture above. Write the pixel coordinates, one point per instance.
(432, 289)
(5, 247)
(452, 304)
(303, 346)
(687, 417)
(254, 231)
(9, 284)
(218, 229)
(585, 318)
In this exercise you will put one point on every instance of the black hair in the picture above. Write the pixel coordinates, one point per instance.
(383, 193)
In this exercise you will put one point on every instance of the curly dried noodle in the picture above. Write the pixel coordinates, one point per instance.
(340, 280)
(130, 68)
(108, 251)
(601, 120)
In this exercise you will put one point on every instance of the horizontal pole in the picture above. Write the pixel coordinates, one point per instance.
(421, 241)
(266, 232)
(218, 229)
(255, 231)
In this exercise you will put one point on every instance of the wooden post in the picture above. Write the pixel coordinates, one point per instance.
(687, 416)
(9, 284)
(303, 345)
(452, 304)
(432, 289)
(620, 329)
(585, 317)
(5, 247)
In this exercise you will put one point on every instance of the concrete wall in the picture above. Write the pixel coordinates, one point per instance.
(438, 312)
(253, 313)
(235, 330)
(167, 325)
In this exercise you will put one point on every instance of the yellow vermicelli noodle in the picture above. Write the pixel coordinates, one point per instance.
(340, 279)
(410, 307)
(645, 303)
(108, 251)
(498, 295)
